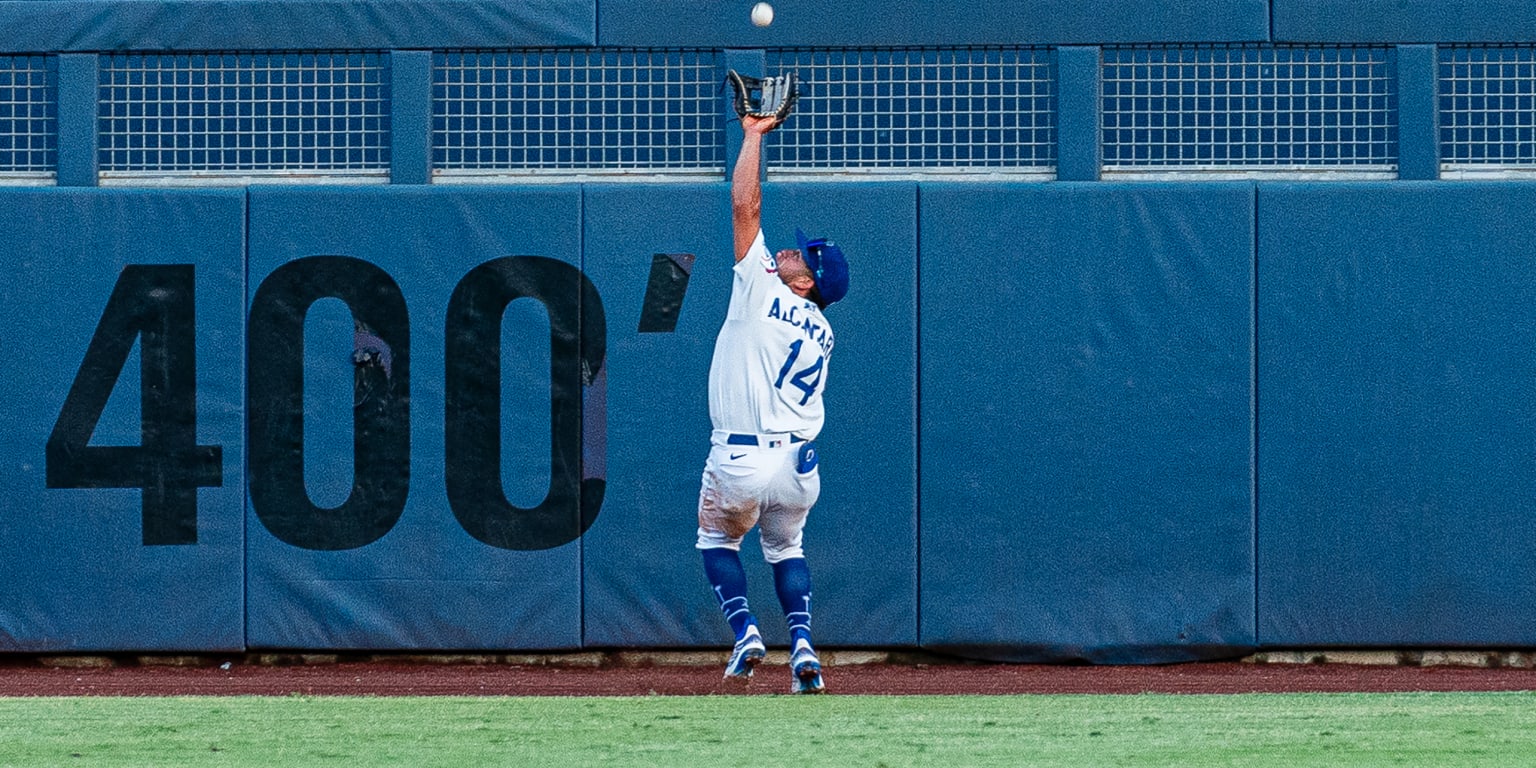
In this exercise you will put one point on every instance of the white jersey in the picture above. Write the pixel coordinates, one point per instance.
(770, 363)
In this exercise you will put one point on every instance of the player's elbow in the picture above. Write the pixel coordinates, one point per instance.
(746, 206)
(746, 212)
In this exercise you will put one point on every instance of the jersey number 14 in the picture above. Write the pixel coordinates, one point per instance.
(807, 379)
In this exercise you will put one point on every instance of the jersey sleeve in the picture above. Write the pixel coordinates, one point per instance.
(755, 274)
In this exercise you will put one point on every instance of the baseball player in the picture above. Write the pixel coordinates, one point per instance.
(765, 385)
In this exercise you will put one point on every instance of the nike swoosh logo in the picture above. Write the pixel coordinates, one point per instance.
(736, 456)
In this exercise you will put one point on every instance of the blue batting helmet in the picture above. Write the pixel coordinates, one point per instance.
(827, 264)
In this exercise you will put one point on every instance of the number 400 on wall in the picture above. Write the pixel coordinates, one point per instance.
(154, 304)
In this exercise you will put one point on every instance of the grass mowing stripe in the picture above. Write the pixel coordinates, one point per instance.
(1441, 729)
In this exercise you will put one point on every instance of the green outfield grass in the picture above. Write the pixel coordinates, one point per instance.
(1457, 729)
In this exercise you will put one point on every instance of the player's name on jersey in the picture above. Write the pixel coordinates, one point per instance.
(803, 316)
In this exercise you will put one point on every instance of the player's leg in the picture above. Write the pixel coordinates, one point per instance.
(723, 568)
(792, 581)
(727, 511)
(783, 532)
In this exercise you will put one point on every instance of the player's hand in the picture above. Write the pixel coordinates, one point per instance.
(760, 125)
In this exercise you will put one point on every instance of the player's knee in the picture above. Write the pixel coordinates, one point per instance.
(717, 540)
(779, 551)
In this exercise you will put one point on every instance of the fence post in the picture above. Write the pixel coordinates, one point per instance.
(1418, 112)
(410, 117)
(1079, 140)
(79, 81)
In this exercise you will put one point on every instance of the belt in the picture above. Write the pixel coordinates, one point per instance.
(764, 441)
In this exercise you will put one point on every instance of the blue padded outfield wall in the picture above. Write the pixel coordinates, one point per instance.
(1395, 417)
(1086, 420)
(123, 468)
(638, 557)
(1179, 329)
(383, 560)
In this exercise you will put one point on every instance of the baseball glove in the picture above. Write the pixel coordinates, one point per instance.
(763, 96)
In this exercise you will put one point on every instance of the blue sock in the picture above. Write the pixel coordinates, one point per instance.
(792, 580)
(723, 567)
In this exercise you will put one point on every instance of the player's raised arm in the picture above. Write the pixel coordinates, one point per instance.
(746, 183)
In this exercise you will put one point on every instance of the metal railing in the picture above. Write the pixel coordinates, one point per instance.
(282, 115)
(919, 111)
(576, 112)
(1167, 111)
(1244, 109)
(28, 119)
(1487, 110)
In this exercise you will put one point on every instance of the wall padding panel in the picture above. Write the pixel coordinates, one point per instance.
(644, 581)
(1404, 21)
(222, 25)
(931, 22)
(1086, 421)
(417, 490)
(1395, 415)
(121, 458)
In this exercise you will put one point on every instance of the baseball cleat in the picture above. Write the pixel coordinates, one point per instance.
(806, 667)
(748, 652)
(810, 684)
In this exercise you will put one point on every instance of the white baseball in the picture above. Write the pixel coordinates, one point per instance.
(762, 14)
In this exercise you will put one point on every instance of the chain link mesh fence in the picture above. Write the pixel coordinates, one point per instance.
(918, 111)
(1249, 109)
(29, 129)
(287, 115)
